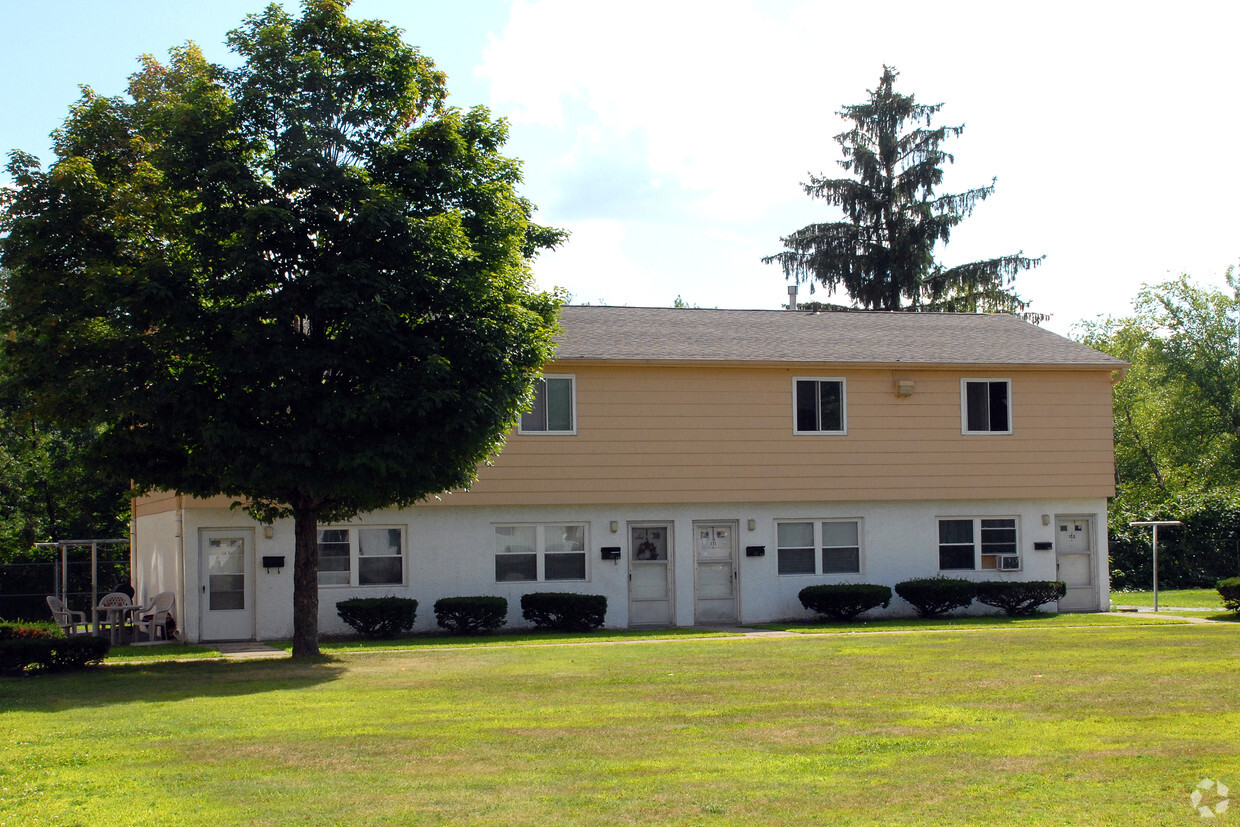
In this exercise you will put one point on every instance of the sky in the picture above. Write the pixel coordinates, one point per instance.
(671, 137)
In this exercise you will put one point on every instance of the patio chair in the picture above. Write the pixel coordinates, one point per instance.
(154, 618)
(67, 619)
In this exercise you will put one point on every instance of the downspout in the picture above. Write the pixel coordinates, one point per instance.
(181, 562)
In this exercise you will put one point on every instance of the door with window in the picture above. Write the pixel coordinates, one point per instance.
(226, 584)
(650, 574)
(715, 593)
(1074, 559)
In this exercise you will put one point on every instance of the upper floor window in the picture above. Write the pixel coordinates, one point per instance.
(554, 410)
(360, 557)
(986, 406)
(828, 547)
(819, 406)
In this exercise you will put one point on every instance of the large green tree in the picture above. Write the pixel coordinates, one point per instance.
(1177, 429)
(882, 253)
(303, 282)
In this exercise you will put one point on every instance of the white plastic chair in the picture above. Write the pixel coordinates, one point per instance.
(67, 619)
(154, 617)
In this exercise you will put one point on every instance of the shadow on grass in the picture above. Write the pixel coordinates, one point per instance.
(161, 682)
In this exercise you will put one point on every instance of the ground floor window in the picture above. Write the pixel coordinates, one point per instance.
(960, 549)
(361, 557)
(540, 552)
(818, 547)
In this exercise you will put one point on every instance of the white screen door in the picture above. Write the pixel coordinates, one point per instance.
(714, 548)
(650, 575)
(226, 593)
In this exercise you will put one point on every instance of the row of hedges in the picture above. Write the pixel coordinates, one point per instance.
(932, 596)
(386, 617)
(41, 647)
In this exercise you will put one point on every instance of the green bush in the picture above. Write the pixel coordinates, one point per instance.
(378, 617)
(1019, 599)
(56, 654)
(564, 612)
(936, 596)
(471, 615)
(1229, 590)
(844, 601)
(33, 630)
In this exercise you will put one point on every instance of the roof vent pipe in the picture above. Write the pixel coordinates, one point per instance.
(792, 297)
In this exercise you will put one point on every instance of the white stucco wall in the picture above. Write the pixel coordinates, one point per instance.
(450, 551)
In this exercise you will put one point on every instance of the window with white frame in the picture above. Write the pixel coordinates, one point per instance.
(818, 546)
(540, 552)
(554, 410)
(361, 557)
(819, 406)
(968, 543)
(986, 406)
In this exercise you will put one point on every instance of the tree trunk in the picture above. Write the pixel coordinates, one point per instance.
(306, 580)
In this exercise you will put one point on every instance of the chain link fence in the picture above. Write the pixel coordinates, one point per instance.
(65, 570)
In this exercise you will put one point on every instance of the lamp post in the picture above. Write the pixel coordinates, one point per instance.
(1156, 524)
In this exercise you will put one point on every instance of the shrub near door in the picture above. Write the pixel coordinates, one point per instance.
(378, 617)
(471, 615)
(563, 611)
(844, 601)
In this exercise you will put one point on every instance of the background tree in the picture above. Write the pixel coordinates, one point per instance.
(1177, 431)
(303, 283)
(882, 253)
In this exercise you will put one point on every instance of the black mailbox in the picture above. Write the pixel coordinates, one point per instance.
(1043, 545)
(611, 552)
(755, 551)
(273, 562)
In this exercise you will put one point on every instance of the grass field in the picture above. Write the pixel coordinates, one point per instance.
(1028, 725)
(1182, 598)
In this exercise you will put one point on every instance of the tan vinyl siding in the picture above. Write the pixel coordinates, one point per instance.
(708, 434)
(159, 502)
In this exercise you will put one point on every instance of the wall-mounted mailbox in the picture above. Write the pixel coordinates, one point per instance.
(611, 552)
(755, 551)
(273, 562)
(1043, 545)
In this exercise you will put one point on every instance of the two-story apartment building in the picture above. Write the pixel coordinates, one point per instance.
(703, 466)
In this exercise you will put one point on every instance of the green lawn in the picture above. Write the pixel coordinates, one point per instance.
(1178, 598)
(1025, 725)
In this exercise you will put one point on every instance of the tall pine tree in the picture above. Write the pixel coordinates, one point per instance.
(882, 253)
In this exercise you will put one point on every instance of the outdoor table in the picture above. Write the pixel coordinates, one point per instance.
(116, 619)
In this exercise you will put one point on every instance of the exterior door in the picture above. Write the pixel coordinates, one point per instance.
(1074, 560)
(714, 550)
(227, 584)
(650, 575)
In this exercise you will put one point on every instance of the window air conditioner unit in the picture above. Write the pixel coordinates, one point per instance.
(1009, 562)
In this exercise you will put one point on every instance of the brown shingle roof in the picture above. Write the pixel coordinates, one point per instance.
(665, 334)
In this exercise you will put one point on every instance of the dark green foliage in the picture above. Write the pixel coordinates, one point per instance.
(303, 282)
(935, 596)
(1019, 599)
(471, 615)
(1229, 590)
(565, 612)
(883, 251)
(10, 630)
(1205, 549)
(844, 601)
(378, 617)
(56, 654)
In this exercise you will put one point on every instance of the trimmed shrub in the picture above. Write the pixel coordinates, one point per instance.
(1229, 590)
(56, 654)
(378, 617)
(936, 596)
(564, 612)
(844, 601)
(12, 630)
(471, 615)
(1020, 599)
